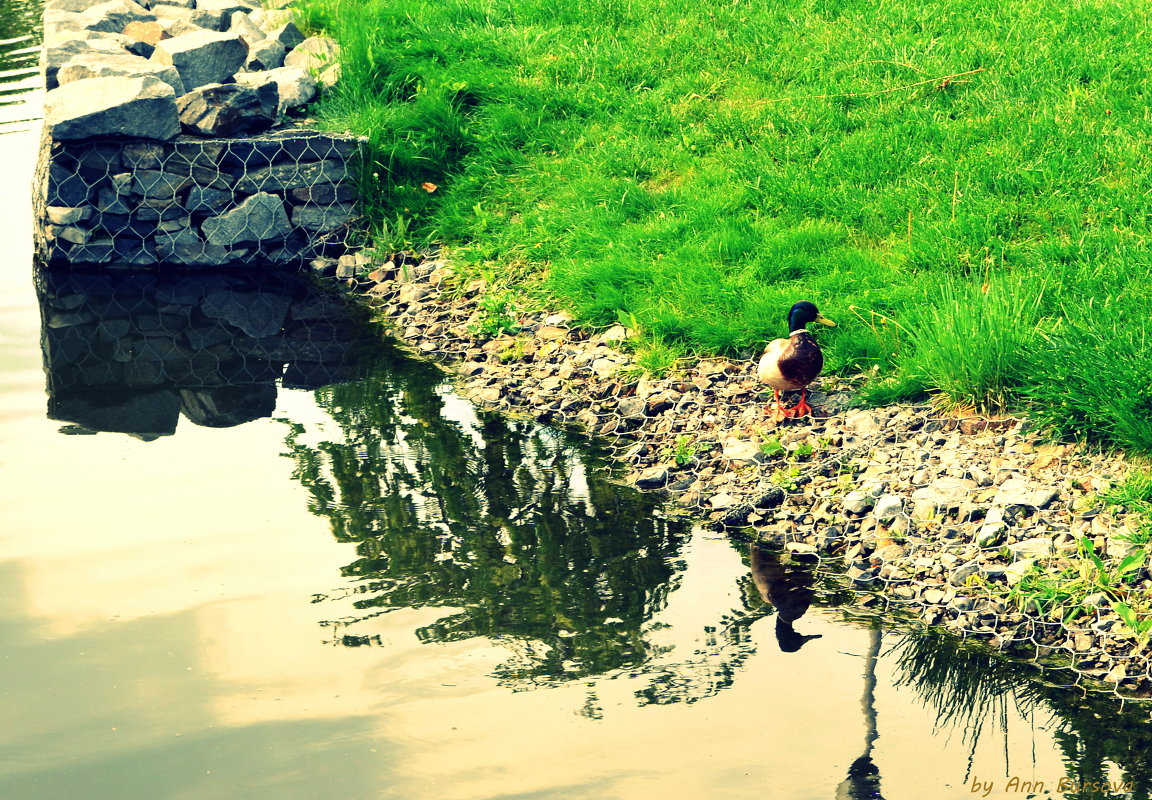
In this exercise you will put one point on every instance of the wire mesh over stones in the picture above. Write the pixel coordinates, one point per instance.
(281, 199)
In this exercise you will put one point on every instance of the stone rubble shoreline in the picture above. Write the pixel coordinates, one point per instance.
(950, 518)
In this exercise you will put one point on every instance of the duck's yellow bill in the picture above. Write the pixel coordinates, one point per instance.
(823, 320)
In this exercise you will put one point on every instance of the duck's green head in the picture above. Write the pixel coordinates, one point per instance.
(803, 313)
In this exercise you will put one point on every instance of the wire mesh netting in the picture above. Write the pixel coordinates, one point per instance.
(279, 199)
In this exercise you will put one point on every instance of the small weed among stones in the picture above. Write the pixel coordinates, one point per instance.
(682, 451)
(497, 317)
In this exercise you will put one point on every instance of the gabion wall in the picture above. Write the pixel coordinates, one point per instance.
(280, 199)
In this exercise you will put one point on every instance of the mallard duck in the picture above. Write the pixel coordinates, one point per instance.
(793, 363)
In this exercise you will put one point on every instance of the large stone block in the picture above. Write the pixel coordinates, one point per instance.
(179, 20)
(228, 109)
(320, 54)
(292, 175)
(61, 49)
(294, 85)
(321, 218)
(141, 108)
(260, 218)
(203, 57)
(100, 65)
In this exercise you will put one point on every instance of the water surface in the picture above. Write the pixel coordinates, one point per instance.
(249, 555)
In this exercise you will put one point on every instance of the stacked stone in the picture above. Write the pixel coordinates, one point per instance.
(131, 353)
(157, 143)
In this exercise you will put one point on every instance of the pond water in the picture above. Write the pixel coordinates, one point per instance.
(247, 551)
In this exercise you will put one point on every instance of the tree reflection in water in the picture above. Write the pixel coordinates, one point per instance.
(514, 526)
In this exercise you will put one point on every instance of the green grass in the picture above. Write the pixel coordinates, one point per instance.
(963, 188)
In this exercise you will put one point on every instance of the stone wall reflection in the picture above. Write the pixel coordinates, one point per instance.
(130, 353)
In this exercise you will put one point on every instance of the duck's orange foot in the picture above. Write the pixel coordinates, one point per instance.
(801, 409)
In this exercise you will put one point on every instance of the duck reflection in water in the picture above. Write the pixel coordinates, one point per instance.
(787, 587)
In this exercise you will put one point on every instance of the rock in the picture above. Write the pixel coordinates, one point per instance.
(228, 406)
(1017, 570)
(63, 215)
(59, 51)
(242, 25)
(322, 218)
(863, 423)
(858, 503)
(742, 450)
(101, 65)
(229, 109)
(203, 199)
(933, 596)
(186, 247)
(157, 184)
(888, 507)
(735, 516)
(961, 573)
(179, 20)
(991, 534)
(771, 498)
(203, 57)
(320, 54)
(295, 85)
(287, 35)
(293, 175)
(1038, 547)
(260, 218)
(1018, 492)
(149, 32)
(267, 54)
(142, 108)
(115, 15)
(652, 478)
(939, 496)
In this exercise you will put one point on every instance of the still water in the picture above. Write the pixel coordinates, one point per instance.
(248, 553)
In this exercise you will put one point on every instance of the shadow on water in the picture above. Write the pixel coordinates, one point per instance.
(130, 353)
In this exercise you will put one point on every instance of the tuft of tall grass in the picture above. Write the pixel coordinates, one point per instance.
(973, 341)
(1091, 376)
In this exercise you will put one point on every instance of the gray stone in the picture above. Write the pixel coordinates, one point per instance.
(940, 495)
(228, 109)
(258, 314)
(260, 218)
(64, 215)
(157, 184)
(652, 478)
(963, 572)
(322, 218)
(1039, 547)
(1018, 492)
(60, 50)
(288, 35)
(114, 16)
(888, 506)
(1017, 570)
(291, 176)
(204, 199)
(179, 20)
(264, 55)
(228, 406)
(203, 57)
(99, 65)
(991, 534)
(742, 450)
(243, 26)
(295, 85)
(319, 54)
(141, 108)
(187, 248)
(858, 503)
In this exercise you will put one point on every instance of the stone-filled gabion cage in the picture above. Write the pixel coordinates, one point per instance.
(278, 199)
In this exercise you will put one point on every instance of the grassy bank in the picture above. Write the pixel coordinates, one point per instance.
(963, 188)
